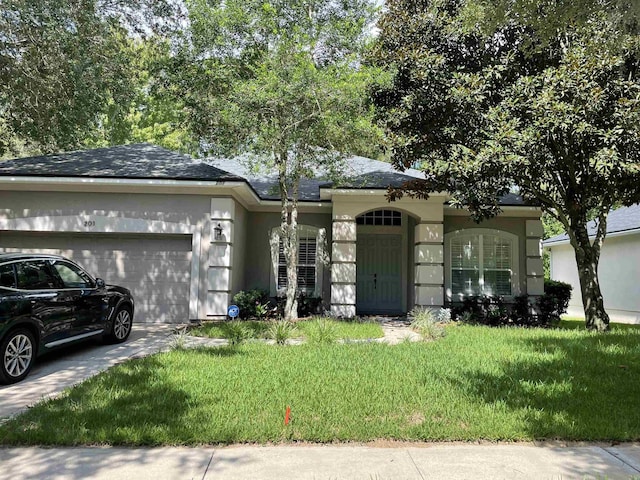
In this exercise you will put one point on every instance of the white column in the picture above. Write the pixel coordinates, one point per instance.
(535, 271)
(429, 264)
(343, 269)
(220, 268)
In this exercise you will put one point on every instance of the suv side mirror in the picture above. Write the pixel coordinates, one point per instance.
(100, 283)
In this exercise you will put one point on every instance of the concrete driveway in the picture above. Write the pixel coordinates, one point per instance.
(58, 370)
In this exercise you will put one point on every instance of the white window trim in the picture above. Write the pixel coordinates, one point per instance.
(321, 256)
(515, 259)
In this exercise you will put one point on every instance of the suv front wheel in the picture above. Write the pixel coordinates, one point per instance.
(121, 326)
(17, 352)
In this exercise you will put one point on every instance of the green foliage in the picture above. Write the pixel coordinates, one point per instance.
(425, 321)
(307, 305)
(236, 332)
(488, 106)
(281, 84)
(253, 303)
(281, 331)
(493, 311)
(554, 302)
(321, 331)
(355, 329)
(67, 67)
(475, 384)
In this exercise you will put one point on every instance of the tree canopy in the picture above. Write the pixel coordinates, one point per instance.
(487, 103)
(67, 69)
(282, 84)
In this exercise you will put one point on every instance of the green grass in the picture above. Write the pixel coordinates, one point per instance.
(476, 383)
(345, 330)
(577, 323)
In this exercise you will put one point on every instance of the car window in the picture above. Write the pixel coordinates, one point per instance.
(35, 275)
(72, 276)
(7, 276)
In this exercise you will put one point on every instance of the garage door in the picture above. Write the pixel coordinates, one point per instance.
(155, 268)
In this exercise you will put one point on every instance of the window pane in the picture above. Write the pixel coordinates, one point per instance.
(307, 254)
(465, 252)
(496, 251)
(35, 276)
(497, 282)
(71, 276)
(7, 276)
(466, 282)
(307, 278)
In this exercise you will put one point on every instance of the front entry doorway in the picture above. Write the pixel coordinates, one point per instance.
(379, 274)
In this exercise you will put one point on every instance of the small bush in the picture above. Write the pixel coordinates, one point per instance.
(252, 304)
(281, 331)
(554, 302)
(483, 309)
(322, 331)
(307, 305)
(236, 332)
(426, 323)
(443, 315)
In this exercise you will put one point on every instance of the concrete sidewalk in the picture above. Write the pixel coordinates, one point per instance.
(411, 461)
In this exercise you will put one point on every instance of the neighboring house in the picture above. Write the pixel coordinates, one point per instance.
(618, 270)
(185, 235)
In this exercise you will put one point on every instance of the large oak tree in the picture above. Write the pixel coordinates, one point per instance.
(491, 96)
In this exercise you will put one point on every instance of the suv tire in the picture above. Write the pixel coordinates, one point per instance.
(17, 354)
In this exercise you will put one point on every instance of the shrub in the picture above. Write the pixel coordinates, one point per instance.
(252, 304)
(521, 313)
(322, 331)
(281, 331)
(307, 305)
(443, 315)
(236, 332)
(484, 309)
(554, 302)
(426, 323)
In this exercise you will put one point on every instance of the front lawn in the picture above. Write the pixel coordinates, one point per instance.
(476, 383)
(578, 323)
(344, 330)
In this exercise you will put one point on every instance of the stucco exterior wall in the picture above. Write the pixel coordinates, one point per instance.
(618, 271)
(121, 213)
(257, 270)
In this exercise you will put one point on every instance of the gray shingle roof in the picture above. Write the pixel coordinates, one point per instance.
(620, 220)
(360, 173)
(140, 160)
(146, 161)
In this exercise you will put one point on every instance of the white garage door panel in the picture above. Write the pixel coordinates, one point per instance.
(155, 268)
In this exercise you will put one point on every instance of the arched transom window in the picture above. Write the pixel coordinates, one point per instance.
(389, 218)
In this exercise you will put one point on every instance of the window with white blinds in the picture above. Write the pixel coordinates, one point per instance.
(307, 259)
(481, 264)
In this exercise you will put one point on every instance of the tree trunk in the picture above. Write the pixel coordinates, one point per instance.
(289, 239)
(587, 258)
(291, 256)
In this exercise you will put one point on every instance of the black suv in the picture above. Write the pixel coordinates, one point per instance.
(47, 302)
